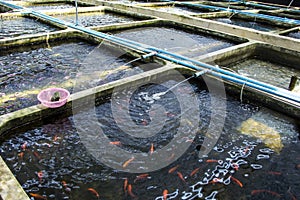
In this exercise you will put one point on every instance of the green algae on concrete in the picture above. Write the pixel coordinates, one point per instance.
(10, 189)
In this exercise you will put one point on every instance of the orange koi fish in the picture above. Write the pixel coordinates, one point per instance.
(64, 183)
(152, 149)
(165, 194)
(126, 163)
(173, 169)
(94, 192)
(180, 176)
(21, 155)
(130, 191)
(254, 192)
(37, 196)
(125, 184)
(115, 143)
(211, 161)
(236, 181)
(194, 171)
(142, 176)
(55, 138)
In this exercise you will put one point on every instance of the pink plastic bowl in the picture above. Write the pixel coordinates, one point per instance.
(45, 97)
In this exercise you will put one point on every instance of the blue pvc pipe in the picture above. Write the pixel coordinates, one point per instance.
(261, 16)
(267, 6)
(11, 5)
(163, 54)
(274, 90)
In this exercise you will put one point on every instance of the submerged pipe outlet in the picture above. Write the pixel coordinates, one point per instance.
(153, 53)
(200, 73)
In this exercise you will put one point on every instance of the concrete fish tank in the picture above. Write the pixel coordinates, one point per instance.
(265, 63)
(20, 26)
(252, 22)
(100, 18)
(175, 8)
(185, 40)
(153, 104)
(26, 71)
(50, 160)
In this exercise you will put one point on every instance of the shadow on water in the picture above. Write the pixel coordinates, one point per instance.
(51, 160)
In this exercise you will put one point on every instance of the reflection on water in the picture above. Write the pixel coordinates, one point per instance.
(177, 41)
(15, 27)
(96, 19)
(265, 71)
(179, 10)
(248, 24)
(52, 161)
(51, 6)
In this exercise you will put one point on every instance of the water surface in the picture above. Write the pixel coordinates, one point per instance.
(22, 26)
(186, 43)
(52, 161)
(294, 35)
(96, 19)
(25, 72)
(179, 10)
(265, 71)
(49, 6)
(249, 24)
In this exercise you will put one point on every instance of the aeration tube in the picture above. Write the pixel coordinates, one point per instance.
(179, 59)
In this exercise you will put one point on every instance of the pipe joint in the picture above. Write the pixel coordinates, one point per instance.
(153, 53)
(200, 73)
